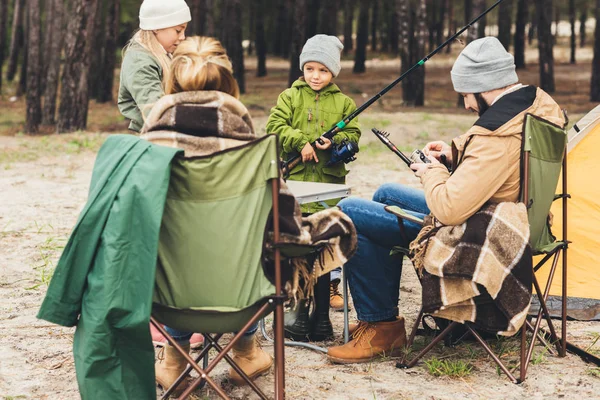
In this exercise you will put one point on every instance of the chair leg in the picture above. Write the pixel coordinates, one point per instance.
(346, 317)
(401, 364)
(491, 354)
(414, 330)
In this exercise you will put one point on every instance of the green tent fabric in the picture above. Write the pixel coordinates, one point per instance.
(104, 280)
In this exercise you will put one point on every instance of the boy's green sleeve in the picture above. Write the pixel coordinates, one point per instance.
(280, 123)
(352, 131)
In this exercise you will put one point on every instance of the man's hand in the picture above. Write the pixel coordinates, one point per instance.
(421, 168)
(326, 143)
(436, 149)
(308, 153)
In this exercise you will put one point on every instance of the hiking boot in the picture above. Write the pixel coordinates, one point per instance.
(321, 328)
(336, 301)
(371, 340)
(249, 356)
(296, 322)
(196, 341)
(169, 365)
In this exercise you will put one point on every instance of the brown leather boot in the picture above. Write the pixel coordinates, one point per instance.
(169, 366)
(251, 359)
(371, 340)
(336, 301)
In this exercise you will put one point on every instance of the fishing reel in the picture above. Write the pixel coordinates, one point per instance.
(344, 151)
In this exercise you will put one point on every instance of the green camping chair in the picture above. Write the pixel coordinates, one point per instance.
(542, 159)
(211, 274)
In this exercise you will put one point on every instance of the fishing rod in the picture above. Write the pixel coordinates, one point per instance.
(295, 160)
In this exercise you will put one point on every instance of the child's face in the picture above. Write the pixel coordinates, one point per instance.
(169, 38)
(317, 75)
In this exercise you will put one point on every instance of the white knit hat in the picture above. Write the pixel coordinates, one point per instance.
(160, 14)
(323, 49)
(482, 66)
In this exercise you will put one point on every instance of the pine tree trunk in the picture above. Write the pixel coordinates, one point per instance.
(418, 76)
(374, 24)
(406, 37)
(451, 24)
(312, 17)
(522, 14)
(208, 29)
(107, 74)
(545, 40)
(281, 43)
(34, 67)
(22, 87)
(328, 18)
(348, 19)
(573, 36)
(55, 36)
(394, 30)
(74, 96)
(362, 38)
(582, 32)
(196, 24)
(505, 10)
(16, 39)
(298, 15)
(231, 22)
(439, 29)
(98, 46)
(533, 26)
(478, 29)
(260, 39)
(3, 18)
(251, 7)
(595, 89)
(480, 6)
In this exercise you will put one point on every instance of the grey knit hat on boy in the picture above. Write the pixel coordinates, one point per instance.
(323, 49)
(160, 14)
(482, 66)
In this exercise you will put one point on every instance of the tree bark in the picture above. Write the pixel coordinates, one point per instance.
(97, 59)
(281, 44)
(533, 26)
(298, 39)
(595, 89)
(22, 87)
(348, 19)
(16, 39)
(545, 45)
(394, 28)
(3, 18)
(55, 39)
(522, 14)
(418, 77)
(312, 17)
(374, 24)
(582, 32)
(478, 29)
(573, 36)
(74, 96)
(34, 67)
(362, 38)
(208, 29)
(260, 39)
(231, 22)
(412, 48)
(505, 10)
(107, 74)
(195, 25)
(439, 26)
(328, 18)
(451, 24)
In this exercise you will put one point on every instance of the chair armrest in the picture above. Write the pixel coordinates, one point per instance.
(402, 214)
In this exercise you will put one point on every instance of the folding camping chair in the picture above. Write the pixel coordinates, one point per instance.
(211, 275)
(543, 156)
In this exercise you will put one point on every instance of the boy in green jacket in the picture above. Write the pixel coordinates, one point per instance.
(307, 110)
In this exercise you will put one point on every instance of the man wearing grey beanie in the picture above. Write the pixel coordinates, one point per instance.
(485, 164)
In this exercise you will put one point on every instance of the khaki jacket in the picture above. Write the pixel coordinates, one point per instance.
(487, 164)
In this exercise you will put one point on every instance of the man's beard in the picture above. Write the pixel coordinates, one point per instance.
(482, 105)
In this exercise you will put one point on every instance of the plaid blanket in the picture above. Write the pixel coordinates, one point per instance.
(202, 123)
(479, 271)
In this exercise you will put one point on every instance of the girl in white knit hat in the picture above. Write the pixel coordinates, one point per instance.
(147, 57)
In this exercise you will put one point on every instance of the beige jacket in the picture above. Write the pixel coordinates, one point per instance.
(487, 166)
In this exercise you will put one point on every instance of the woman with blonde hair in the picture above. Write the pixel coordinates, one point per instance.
(201, 114)
(147, 57)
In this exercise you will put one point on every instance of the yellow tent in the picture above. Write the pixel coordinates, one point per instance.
(583, 222)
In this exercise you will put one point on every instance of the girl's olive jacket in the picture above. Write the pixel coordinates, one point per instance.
(140, 85)
(303, 115)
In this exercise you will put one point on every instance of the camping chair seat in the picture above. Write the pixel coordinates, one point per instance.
(542, 159)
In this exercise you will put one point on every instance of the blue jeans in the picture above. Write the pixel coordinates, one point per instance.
(374, 276)
(183, 337)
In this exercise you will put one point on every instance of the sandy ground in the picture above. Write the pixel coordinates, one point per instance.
(44, 184)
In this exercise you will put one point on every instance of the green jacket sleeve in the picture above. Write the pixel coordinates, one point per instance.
(280, 123)
(352, 131)
(144, 84)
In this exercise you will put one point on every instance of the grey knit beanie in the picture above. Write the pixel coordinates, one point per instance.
(160, 14)
(323, 49)
(482, 66)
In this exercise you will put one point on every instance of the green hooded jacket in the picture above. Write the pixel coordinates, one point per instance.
(104, 280)
(140, 84)
(303, 115)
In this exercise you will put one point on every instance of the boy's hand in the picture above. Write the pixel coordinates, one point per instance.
(308, 153)
(326, 143)
(437, 148)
